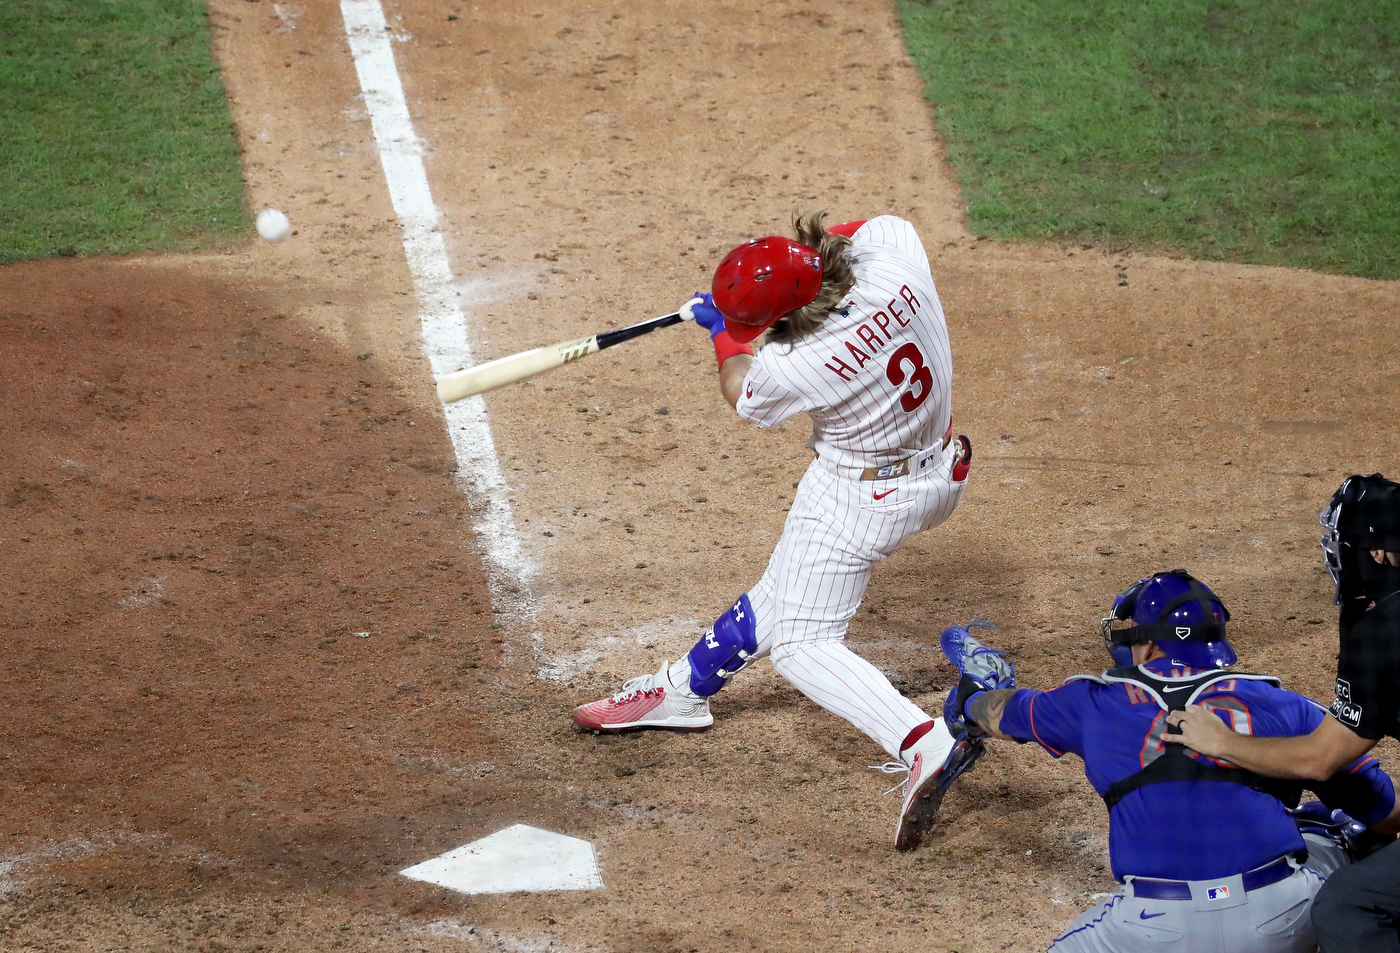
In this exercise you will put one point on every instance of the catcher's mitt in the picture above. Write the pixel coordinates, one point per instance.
(982, 669)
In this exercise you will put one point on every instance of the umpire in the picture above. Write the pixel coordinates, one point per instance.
(1358, 909)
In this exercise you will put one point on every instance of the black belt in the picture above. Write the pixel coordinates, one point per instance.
(1270, 873)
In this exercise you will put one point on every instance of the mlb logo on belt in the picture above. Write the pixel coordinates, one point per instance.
(1218, 893)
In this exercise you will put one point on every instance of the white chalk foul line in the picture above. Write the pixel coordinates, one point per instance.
(445, 337)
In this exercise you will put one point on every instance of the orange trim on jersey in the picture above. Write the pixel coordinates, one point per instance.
(1137, 695)
(1230, 721)
(1152, 739)
(1030, 717)
(1248, 716)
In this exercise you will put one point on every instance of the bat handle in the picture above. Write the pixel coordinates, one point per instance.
(609, 338)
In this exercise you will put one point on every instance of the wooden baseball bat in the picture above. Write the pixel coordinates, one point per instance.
(517, 367)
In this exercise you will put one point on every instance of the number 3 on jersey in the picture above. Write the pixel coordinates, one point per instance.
(919, 376)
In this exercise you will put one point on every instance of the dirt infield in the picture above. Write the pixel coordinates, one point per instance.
(254, 666)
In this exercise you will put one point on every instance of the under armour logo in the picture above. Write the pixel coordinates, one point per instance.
(738, 611)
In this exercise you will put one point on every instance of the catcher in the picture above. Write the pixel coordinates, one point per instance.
(1211, 857)
(857, 341)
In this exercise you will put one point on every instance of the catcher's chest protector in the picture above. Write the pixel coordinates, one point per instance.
(1174, 764)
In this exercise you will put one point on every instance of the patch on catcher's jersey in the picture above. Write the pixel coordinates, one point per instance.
(1218, 893)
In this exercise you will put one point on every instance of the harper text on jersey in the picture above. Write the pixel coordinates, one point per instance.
(874, 339)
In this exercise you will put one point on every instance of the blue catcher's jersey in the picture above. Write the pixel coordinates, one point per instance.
(1180, 830)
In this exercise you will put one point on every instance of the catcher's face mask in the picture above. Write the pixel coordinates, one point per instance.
(1330, 519)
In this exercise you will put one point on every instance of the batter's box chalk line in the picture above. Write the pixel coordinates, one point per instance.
(518, 859)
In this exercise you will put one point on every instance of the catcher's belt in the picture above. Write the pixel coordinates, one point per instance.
(1146, 888)
(901, 467)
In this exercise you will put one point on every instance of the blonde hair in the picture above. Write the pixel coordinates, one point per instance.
(837, 278)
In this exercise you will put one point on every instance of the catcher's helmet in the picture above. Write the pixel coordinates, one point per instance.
(762, 280)
(1178, 612)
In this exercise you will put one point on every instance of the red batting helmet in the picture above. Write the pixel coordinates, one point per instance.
(762, 280)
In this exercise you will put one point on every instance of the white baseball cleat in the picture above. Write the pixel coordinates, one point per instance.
(934, 762)
(647, 701)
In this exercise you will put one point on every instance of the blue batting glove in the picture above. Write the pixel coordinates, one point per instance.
(702, 310)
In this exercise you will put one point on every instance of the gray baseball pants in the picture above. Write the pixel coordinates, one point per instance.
(1272, 919)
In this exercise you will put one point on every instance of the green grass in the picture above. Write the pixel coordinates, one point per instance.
(115, 134)
(1262, 131)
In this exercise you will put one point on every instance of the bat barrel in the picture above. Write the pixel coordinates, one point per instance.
(517, 367)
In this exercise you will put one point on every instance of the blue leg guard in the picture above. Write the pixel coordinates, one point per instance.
(724, 649)
(1351, 835)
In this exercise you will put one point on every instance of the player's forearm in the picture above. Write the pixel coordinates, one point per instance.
(1278, 757)
(731, 377)
(1314, 757)
(987, 709)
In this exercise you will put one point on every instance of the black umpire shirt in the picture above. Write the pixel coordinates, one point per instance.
(1368, 673)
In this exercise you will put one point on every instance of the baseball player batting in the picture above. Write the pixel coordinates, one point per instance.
(1212, 858)
(857, 341)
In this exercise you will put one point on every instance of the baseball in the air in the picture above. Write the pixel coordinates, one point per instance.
(273, 225)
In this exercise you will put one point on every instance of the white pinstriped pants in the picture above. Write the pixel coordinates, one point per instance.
(835, 534)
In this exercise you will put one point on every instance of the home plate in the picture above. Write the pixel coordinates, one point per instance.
(519, 858)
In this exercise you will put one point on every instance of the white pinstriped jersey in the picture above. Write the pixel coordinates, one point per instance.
(876, 376)
(875, 379)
